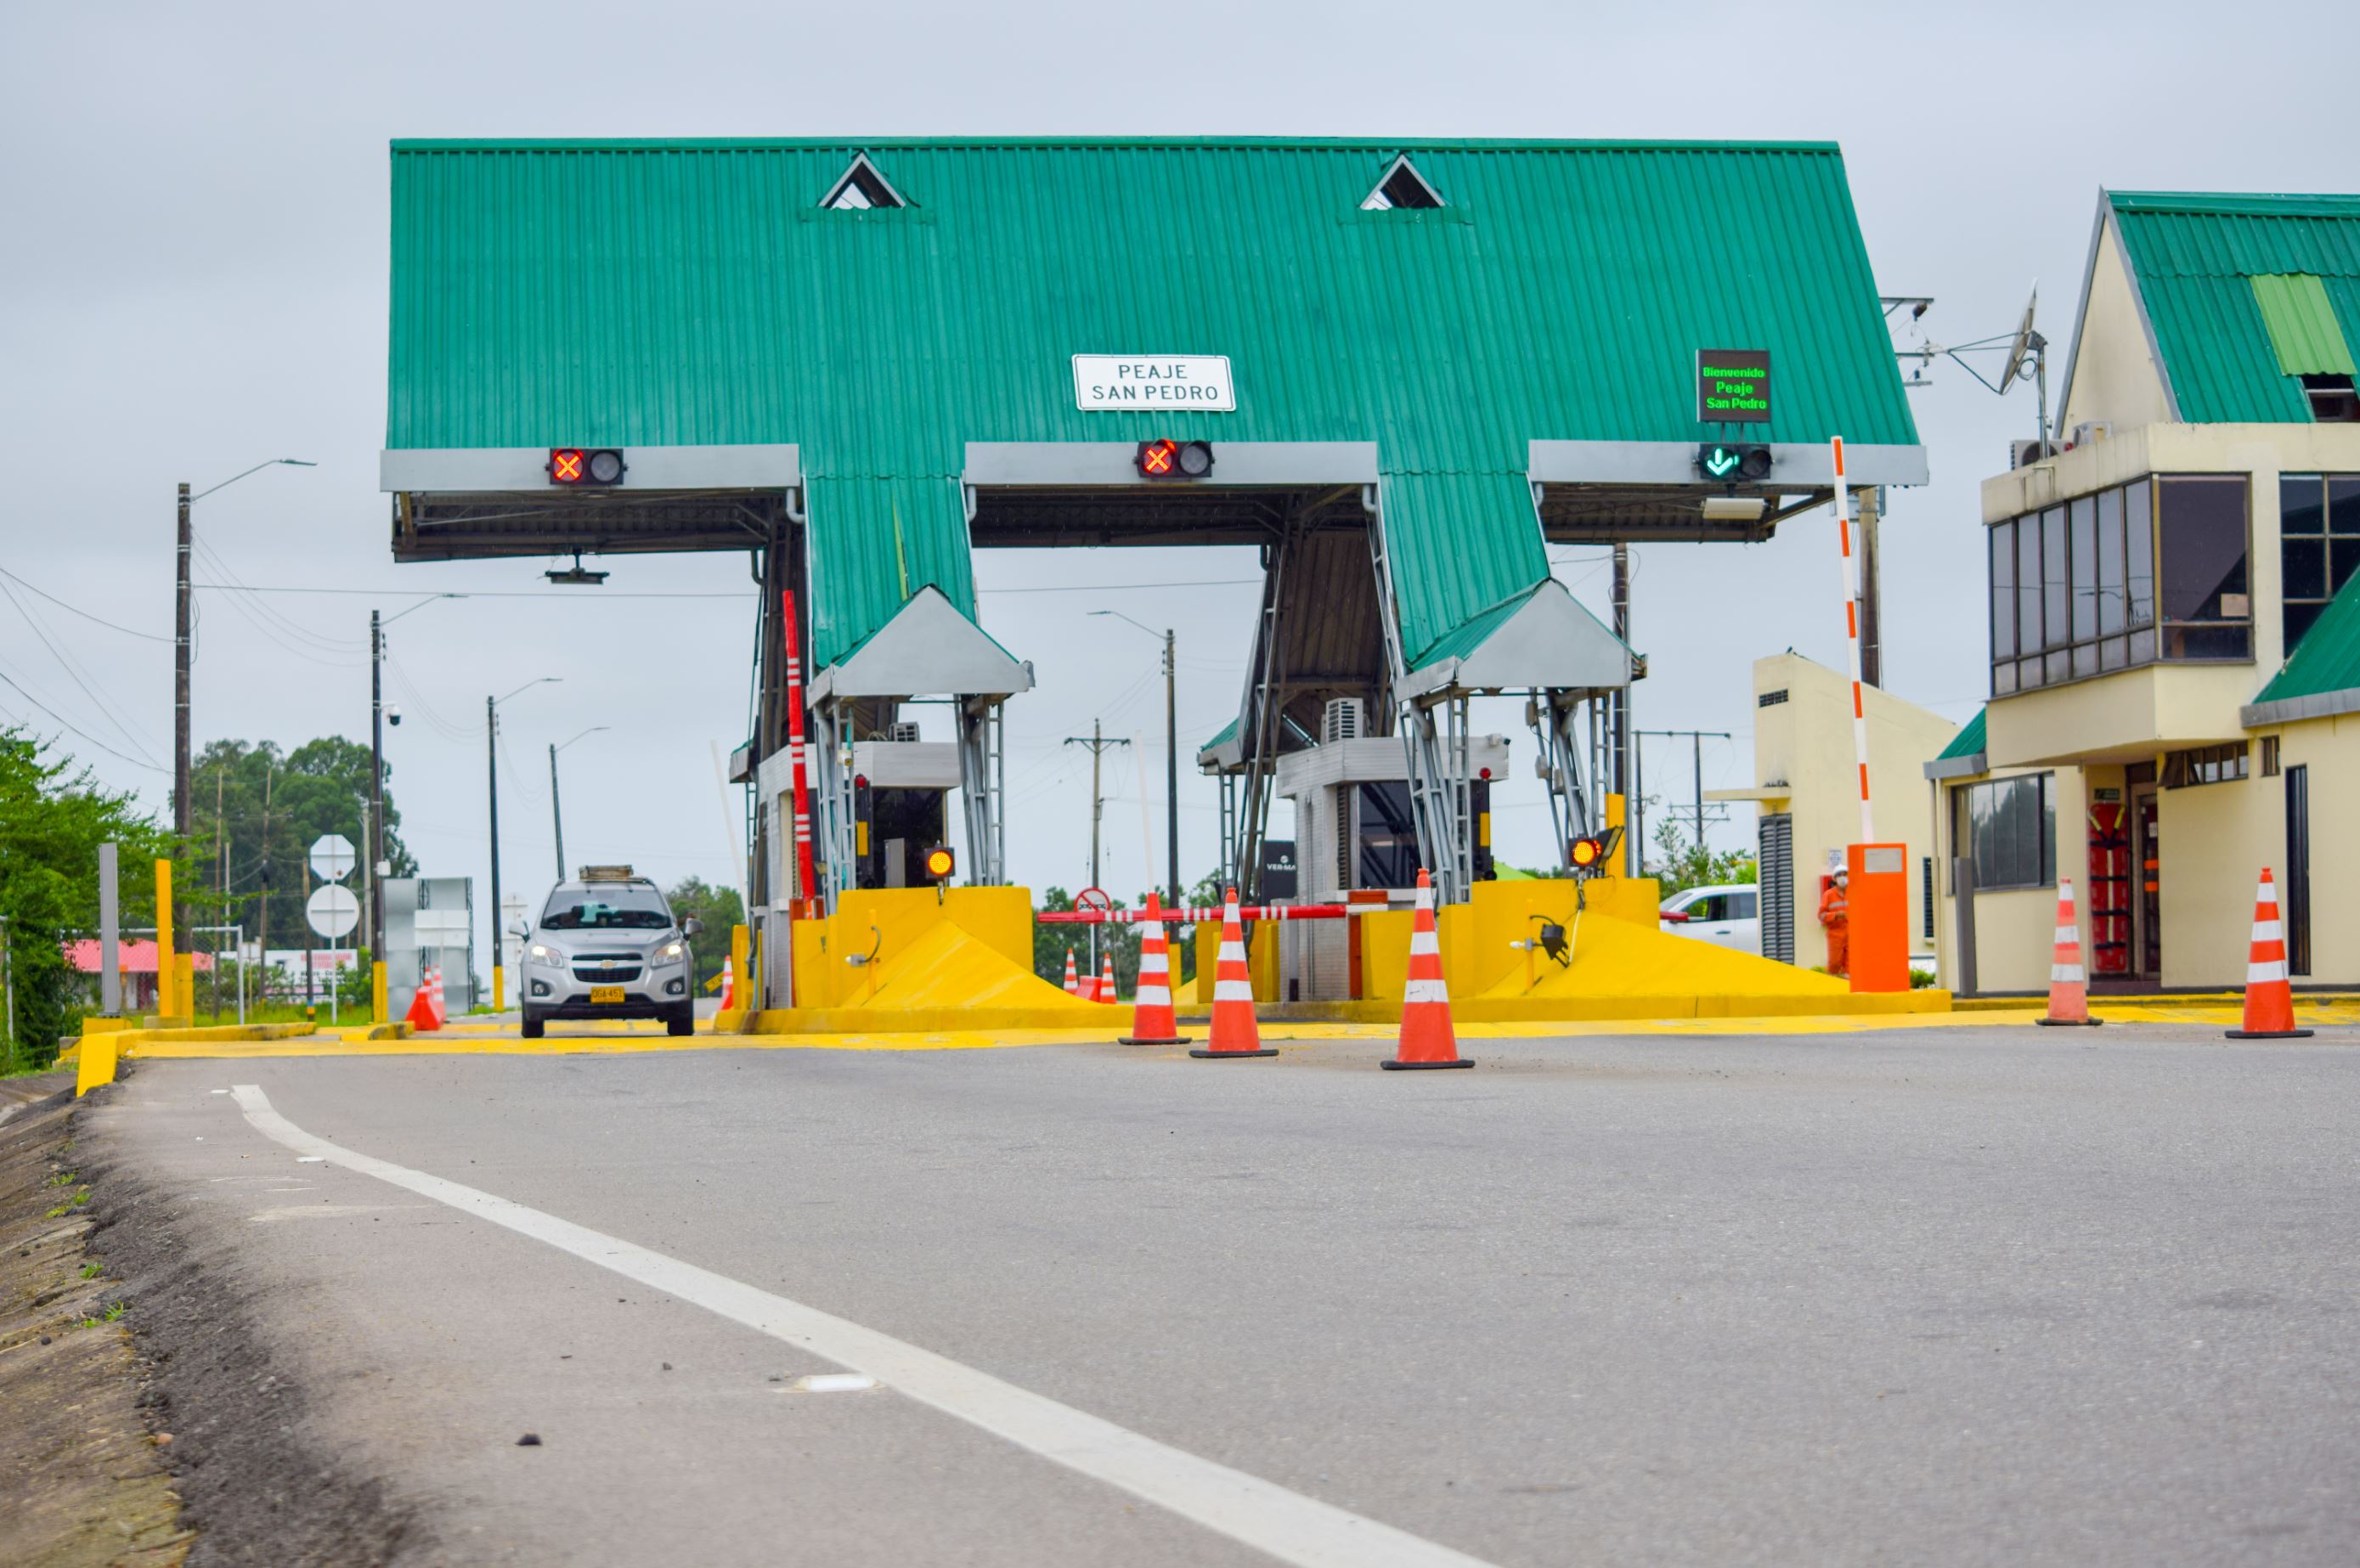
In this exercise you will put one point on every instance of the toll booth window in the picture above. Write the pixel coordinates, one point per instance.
(1388, 846)
(1403, 185)
(860, 189)
(2153, 570)
(2319, 545)
(2009, 828)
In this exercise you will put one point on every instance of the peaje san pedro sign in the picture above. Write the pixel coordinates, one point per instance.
(1153, 381)
(1733, 385)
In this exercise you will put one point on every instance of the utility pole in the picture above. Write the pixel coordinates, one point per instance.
(375, 849)
(1633, 816)
(1695, 751)
(1098, 743)
(1171, 771)
(491, 772)
(1872, 598)
(180, 675)
(221, 881)
(556, 818)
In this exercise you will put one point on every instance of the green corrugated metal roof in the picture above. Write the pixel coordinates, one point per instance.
(2328, 658)
(2301, 325)
(1968, 742)
(691, 292)
(2193, 255)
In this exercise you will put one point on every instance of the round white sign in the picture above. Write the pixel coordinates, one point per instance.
(333, 911)
(333, 859)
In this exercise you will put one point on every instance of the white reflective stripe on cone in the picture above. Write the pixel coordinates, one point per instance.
(2264, 974)
(2071, 972)
(1234, 991)
(1233, 953)
(1152, 996)
(2268, 931)
(1417, 991)
(1425, 943)
(2068, 937)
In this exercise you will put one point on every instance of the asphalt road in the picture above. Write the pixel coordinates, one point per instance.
(1939, 1296)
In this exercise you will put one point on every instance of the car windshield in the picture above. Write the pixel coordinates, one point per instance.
(607, 908)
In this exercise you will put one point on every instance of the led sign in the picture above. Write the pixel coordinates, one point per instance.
(1733, 385)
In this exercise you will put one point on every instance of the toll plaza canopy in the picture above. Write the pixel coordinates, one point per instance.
(1415, 365)
(703, 294)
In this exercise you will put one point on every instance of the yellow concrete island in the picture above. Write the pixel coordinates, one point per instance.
(897, 960)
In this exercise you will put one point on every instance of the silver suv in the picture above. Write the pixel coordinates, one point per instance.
(606, 947)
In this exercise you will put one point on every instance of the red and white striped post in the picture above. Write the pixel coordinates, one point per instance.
(1852, 638)
(806, 881)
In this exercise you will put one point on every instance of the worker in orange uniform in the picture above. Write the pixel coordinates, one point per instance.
(1835, 915)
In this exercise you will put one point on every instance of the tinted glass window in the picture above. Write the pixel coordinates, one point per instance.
(1742, 905)
(2084, 568)
(2204, 529)
(2056, 587)
(2113, 595)
(2008, 825)
(2138, 545)
(2003, 591)
(606, 907)
(2027, 585)
(2344, 504)
(2303, 504)
(2304, 561)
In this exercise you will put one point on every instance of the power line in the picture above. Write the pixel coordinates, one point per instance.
(74, 674)
(1111, 587)
(71, 729)
(85, 614)
(470, 593)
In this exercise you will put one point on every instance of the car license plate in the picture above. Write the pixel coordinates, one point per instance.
(605, 996)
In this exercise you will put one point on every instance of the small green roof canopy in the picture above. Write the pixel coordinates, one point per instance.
(2322, 679)
(2243, 295)
(696, 293)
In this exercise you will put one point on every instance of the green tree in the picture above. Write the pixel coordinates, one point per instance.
(1050, 942)
(1682, 865)
(719, 908)
(53, 817)
(256, 812)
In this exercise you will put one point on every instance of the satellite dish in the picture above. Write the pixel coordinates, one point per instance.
(2020, 350)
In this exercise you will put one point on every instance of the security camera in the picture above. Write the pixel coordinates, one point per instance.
(393, 716)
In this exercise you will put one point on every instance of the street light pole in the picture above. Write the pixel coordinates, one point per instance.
(1171, 753)
(492, 774)
(376, 767)
(556, 821)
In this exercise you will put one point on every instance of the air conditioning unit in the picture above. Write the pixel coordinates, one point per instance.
(2090, 431)
(903, 730)
(2025, 454)
(1341, 720)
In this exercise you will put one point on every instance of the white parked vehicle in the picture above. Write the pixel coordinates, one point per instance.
(1728, 916)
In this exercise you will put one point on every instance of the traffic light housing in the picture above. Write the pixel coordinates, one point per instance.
(1734, 463)
(1588, 853)
(1164, 458)
(942, 864)
(592, 467)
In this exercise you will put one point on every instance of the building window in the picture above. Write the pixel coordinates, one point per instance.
(2074, 590)
(1403, 185)
(2008, 827)
(861, 187)
(2270, 756)
(2319, 544)
(2204, 765)
(2332, 399)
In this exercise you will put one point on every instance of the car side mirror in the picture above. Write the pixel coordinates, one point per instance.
(1678, 916)
(692, 926)
(518, 928)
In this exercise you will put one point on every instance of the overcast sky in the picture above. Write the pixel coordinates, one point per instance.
(192, 279)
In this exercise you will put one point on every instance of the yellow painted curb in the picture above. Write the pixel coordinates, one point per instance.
(96, 1065)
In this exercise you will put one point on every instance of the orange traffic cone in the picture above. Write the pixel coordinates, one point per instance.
(1426, 1039)
(728, 986)
(422, 1016)
(1151, 1022)
(2269, 1000)
(435, 990)
(1073, 976)
(1106, 977)
(2069, 989)
(1234, 1033)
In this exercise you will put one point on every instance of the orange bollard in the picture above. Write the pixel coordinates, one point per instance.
(1234, 1032)
(2069, 988)
(1427, 1037)
(2269, 1000)
(1152, 1018)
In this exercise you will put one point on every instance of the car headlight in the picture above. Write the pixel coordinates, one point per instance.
(671, 953)
(541, 952)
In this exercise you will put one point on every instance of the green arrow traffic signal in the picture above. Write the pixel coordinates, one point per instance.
(1721, 462)
(1744, 463)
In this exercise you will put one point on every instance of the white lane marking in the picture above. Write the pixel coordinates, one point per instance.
(831, 1383)
(1287, 1525)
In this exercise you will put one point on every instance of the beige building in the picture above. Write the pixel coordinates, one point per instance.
(2175, 645)
(1808, 796)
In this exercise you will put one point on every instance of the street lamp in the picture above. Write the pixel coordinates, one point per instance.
(181, 638)
(556, 821)
(1171, 753)
(492, 767)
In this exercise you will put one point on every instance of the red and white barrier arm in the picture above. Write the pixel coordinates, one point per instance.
(1851, 639)
(806, 878)
(1203, 915)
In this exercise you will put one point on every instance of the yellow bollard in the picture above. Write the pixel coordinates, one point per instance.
(166, 973)
(378, 1003)
(742, 974)
(96, 1063)
(499, 988)
(184, 987)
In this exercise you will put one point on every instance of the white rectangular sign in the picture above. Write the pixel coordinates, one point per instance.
(1153, 381)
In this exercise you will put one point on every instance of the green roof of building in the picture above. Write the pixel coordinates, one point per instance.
(2323, 675)
(694, 292)
(2238, 288)
(1968, 742)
